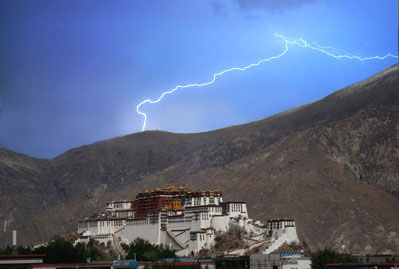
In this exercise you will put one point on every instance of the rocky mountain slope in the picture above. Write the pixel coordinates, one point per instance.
(332, 164)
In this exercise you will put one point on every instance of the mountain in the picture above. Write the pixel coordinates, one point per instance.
(333, 165)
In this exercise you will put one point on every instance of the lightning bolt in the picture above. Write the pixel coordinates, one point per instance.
(330, 51)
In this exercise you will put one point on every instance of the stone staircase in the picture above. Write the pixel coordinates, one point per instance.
(117, 246)
(175, 239)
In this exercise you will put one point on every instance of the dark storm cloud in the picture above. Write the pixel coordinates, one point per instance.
(248, 7)
(271, 4)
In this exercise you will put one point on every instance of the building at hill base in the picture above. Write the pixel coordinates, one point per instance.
(182, 219)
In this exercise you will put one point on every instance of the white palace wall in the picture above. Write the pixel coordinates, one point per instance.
(141, 228)
(220, 223)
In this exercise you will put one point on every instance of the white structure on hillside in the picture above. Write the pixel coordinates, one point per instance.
(180, 218)
(283, 231)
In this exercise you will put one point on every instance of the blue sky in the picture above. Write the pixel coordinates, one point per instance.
(73, 72)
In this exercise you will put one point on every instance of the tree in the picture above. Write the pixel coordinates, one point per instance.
(92, 249)
(62, 251)
(270, 233)
(143, 250)
(6, 250)
(326, 256)
(19, 250)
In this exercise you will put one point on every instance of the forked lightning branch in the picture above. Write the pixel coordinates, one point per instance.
(329, 51)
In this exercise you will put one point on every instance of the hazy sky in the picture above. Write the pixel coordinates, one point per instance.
(72, 72)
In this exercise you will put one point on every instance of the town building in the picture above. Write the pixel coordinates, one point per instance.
(20, 261)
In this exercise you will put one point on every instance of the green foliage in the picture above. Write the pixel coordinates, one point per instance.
(145, 251)
(20, 250)
(93, 251)
(326, 256)
(60, 250)
(270, 233)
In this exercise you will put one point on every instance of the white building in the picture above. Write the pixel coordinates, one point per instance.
(283, 232)
(180, 218)
(297, 263)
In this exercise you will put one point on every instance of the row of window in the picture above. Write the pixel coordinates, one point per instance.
(119, 205)
(236, 207)
(122, 214)
(179, 220)
(100, 224)
(202, 237)
(137, 222)
(215, 209)
(102, 237)
(193, 236)
(197, 201)
(278, 225)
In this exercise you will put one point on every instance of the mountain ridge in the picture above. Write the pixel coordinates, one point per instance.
(344, 145)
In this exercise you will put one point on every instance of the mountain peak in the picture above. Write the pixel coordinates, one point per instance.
(331, 164)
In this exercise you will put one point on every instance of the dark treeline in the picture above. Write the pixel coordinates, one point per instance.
(60, 250)
(143, 250)
(325, 256)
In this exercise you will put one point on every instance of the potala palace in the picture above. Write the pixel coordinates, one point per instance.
(184, 220)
